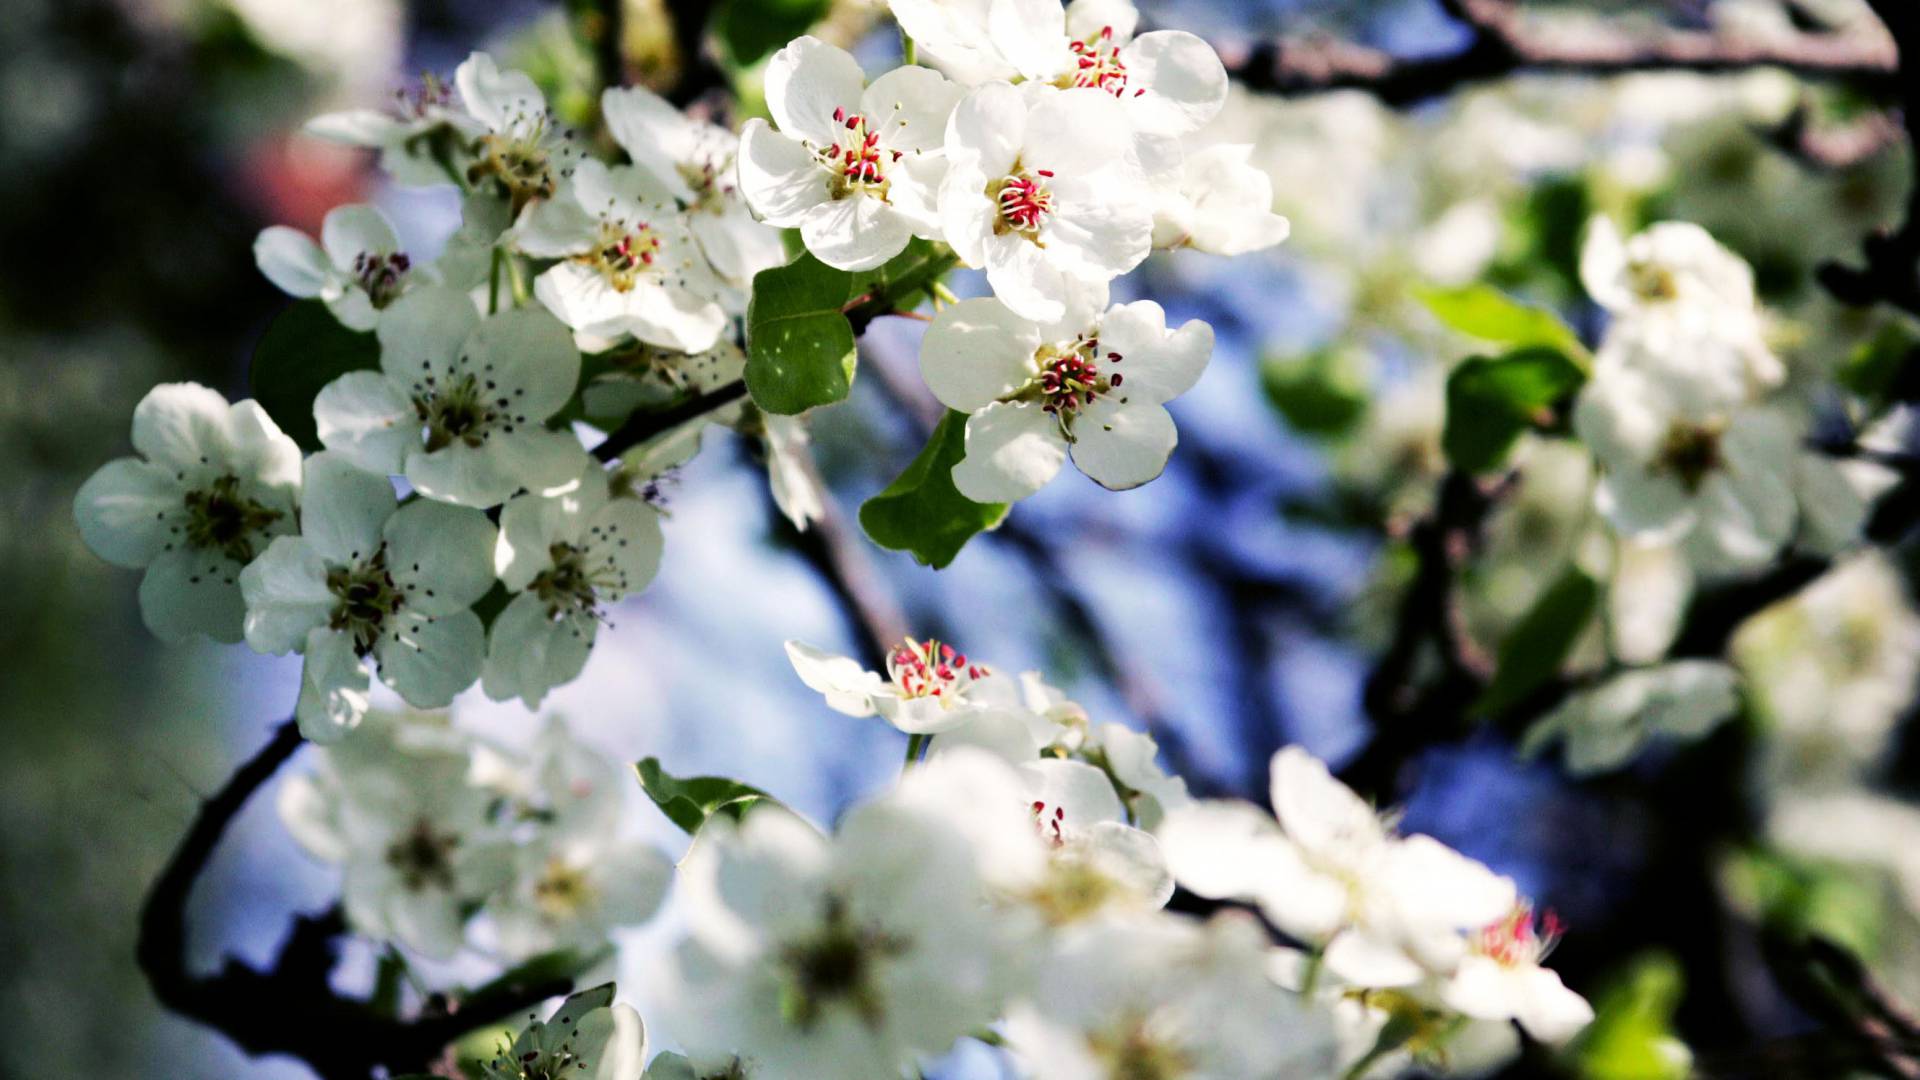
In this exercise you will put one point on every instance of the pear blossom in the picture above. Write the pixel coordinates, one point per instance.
(853, 955)
(952, 35)
(1603, 727)
(460, 403)
(416, 842)
(1719, 481)
(421, 135)
(1045, 191)
(565, 558)
(1165, 998)
(1094, 386)
(856, 170)
(589, 1037)
(628, 264)
(212, 485)
(1222, 204)
(1501, 978)
(559, 782)
(929, 686)
(1170, 82)
(368, 577)
(357, 269)
(571, 889)
(696, 162)
(521, 146)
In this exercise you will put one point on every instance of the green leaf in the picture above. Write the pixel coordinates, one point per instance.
(1874, 366)
(689, 802)
(895, 282)
(799, 344)
(303, 350)
(751, 29)
(1319, 394)
(921, 511)
(1490, 401)
(1484, 312)
(1631, 1037)
(1539, 643)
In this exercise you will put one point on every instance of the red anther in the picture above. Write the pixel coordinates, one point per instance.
(1106, 33)
(840, 115)
(1116, 378)
(1048, 173)
(1113, 357)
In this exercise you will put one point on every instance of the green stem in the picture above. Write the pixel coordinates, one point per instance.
(916, 746)
(520, 295)
(493, 282)
(909, 48)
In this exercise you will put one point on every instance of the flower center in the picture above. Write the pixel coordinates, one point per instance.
(1070, 378)
(1515, 940)
(382, 274)
(625, 253)
(520, 158)
(365, 597)
(1652, 282)
(415, 102)
(1691, 452)
(220, 518)
(836, 964)
(574, 583)
(562, 891)
(423, 857)
(858, 161)
(1023, 200)
(1132, 1052)
(1097, 64)
(933, 669)
(457, 410)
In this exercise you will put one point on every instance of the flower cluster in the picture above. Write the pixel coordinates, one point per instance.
(447, 842)
(1049, 148)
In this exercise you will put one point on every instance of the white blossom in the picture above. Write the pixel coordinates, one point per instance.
(566, 558)
(356, 269)
(460, 403)
(570, 890)
(1221, 203)
(929, 686)
(854, 167)
(1045, 191)
(1501, 978)
(521, 145)
(212, 484)
(1095, 387)
(589, 1037)
(368, 577)
(423, 136)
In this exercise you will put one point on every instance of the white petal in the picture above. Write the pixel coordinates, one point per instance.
(463, 475)
(1086, 18)
(849, 688)
(1122, 445)
(1081, 792)
(353, 230)
(531, 357)
(623, 544)
(292, 261)
(1032, 35)
(541, 461)
(805, 82)
(1097, 234)
(555, 228)
(780, 178)
(122, 511)
(977, 352)
(854, 233)
(422, 332)
(529, 527)
(909, 107)
(365, 419)
(1318, 811)
(333, 687)
(1013, 450)
(1550, 1012)
(429, 660)
(1183, 78)
(261, 452)
(343, 508)
(187, 592)
(354, 127)
(1077, 135)
(531, 652)
(286, 595)
(987, 129)
(1360, 959)
(1603, 265)
(652, 132)
(440, 555)
(182, 427)
(672, 317)
(1157, 366)
(738, 246)
(500, 99)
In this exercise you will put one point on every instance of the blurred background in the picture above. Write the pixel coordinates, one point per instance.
(1233, 607)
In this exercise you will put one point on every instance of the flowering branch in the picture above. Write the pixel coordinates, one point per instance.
(290, 1008)
(1503, 45)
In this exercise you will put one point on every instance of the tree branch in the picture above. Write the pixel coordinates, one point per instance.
(1502, 44)
(642, 426)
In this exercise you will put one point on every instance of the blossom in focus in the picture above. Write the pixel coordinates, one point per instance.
(1093, 386)
(929, 685)
(854, 167)
(368, 577)
(1046, 192)
(521, 148)
(587, 1038)
(212, 485)
(356, 269)
(460, 403)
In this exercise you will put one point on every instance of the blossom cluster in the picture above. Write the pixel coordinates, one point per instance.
(1052, 149)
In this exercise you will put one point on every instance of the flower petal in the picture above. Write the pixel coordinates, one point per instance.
(500, 99)
(1121, 445)
(182, 427)
(654, 134)
(977, 352)
(343, 508)
(1157, 366)
(531, 357)
(333, 687)
(440, 555)
(292, 261)
(423, 331)
(1184, 81)
(362, 417)
(779, 177)
(122, 511)
(187, 592)
(849, 688)
(909, 107)
(353, 230)
(1013, 450)
(805, 82)
(531, 652)
(987, 129)
(286, 595)
(854, 233)
(429, 660)
(1032, 35)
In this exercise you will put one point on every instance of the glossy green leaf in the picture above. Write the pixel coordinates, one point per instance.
(1877, 363)
(1318, 394)
(1491, 400)
(1484, 312)
(751, 29)
(921, 511)
(688, 802)
(303, 350)
(1538, 644)
(1631, 1037)
(800, 352)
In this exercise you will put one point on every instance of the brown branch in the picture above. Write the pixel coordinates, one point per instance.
(642, 426)
(289, 1008)
(1504, 43)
